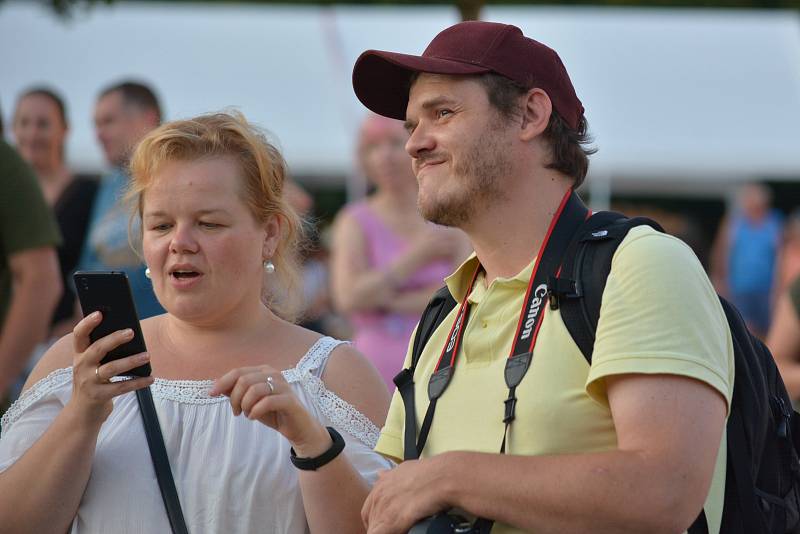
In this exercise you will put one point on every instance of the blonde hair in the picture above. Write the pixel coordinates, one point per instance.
(263, 171)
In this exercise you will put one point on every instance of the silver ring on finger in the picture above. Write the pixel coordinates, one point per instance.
(99, 378)
(271, 385)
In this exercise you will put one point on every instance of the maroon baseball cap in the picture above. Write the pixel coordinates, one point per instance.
(381, 79)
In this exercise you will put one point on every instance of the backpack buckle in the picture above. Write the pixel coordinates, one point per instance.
(402, 378)
(558, 288)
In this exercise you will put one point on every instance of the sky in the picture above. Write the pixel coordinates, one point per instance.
(710, 93)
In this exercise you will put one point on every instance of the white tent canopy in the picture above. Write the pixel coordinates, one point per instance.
(688, 96)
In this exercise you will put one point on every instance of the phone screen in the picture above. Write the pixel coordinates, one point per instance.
(109, 293)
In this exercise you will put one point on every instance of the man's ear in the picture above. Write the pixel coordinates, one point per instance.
(536, 111)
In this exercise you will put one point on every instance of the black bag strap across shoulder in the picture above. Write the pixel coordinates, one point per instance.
(158, 452)
(437, 309)
(579, 290)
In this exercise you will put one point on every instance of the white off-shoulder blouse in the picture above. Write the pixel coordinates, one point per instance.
(233, 475)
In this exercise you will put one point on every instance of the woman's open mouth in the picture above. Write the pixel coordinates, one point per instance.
(182, 275)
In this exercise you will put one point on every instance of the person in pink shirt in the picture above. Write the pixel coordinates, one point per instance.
(787, 268)
(386, 260)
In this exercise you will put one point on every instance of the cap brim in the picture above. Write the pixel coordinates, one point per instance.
(381, 79)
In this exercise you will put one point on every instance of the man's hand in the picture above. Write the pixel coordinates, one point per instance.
(414, 490)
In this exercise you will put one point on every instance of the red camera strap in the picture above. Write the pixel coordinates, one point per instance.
(566, 221)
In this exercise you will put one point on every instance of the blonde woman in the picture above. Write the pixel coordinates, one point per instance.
(236, 384)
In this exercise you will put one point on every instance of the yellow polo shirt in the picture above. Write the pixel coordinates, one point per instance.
(659, 314)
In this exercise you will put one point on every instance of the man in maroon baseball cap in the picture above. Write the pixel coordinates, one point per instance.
(631, 442)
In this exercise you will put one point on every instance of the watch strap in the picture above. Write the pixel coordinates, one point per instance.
(312, 464)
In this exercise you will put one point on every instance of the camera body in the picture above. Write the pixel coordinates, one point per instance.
(444, 523)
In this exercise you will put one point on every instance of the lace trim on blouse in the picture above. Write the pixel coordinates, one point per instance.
(38, 391)
(341, 413)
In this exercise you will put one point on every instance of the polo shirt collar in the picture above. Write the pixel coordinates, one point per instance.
(458, 282)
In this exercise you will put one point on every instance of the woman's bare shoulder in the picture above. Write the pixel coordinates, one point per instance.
(58, 356)
(353, 378)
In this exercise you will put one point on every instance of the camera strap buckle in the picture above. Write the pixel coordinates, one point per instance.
(511, 406)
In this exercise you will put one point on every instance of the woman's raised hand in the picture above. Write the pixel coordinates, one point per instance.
(92, 390)
(261, 393)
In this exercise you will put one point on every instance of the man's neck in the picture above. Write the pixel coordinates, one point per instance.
(508, 234)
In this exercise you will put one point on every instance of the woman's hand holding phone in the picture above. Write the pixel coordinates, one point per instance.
(92, 390)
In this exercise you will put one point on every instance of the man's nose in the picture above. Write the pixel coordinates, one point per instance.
(420, 141)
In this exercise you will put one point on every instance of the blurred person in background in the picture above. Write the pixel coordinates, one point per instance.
(316, 309)
(386, 260)
(218, 237)
(40, 128)
(318, 314)
(298, 198)
(788, 268)
(30, 285)
(314, 272)
(744, 255)
(784, 338)
(124, 113)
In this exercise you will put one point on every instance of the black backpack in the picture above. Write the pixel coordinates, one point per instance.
(762, 486)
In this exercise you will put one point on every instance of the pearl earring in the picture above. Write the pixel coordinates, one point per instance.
(147, 273)
(269, 267)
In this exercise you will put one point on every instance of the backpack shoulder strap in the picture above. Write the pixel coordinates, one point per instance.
(585, 270)
(437, 309)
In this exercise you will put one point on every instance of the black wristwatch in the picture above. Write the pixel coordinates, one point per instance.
(312, 464)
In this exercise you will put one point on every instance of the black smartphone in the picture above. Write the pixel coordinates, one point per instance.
(110, 293)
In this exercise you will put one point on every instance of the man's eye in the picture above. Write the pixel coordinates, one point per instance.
(206, 224)
(443, 113)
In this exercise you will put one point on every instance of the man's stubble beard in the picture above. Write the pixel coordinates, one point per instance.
(481, 171)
